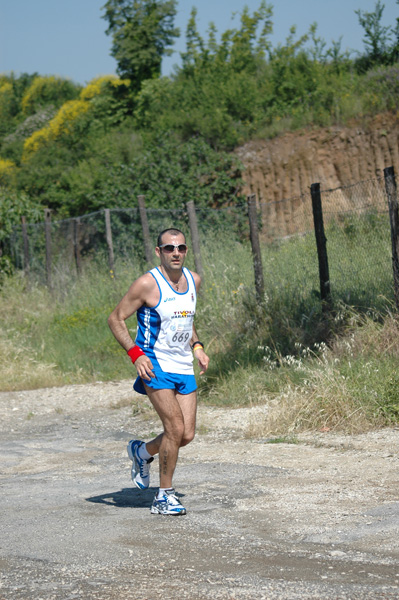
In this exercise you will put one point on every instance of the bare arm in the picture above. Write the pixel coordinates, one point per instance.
(140, 292)
(199, 353)
(130, 303)
(194, 337)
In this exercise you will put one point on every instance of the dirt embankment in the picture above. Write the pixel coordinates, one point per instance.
(282, 169)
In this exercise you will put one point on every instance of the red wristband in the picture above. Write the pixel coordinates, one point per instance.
(135, 352)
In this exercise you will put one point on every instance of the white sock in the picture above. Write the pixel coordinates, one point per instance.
(162, 492)
(143, 453)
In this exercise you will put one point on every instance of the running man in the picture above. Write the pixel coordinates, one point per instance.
(164, 300)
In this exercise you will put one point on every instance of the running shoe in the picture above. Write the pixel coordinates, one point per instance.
(167, 505)
(140, 467)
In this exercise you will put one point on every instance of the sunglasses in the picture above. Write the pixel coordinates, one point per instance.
(169, 248)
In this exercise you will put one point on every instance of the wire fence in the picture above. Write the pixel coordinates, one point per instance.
(356, 222)
(359, 241)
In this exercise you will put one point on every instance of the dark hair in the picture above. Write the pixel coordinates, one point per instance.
(172, 230)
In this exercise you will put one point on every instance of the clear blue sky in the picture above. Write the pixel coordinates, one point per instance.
(67, 37)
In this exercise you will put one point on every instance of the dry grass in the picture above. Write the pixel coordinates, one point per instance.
(20, 366)
(20, 370)
(325, 403)
(138, 407)
(351, 387)
(369, 335)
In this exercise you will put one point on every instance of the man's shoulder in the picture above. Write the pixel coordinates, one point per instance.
(147, 279)
(144, 284)
(196, 277)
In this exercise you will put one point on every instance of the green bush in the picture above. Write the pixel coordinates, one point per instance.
(13, 206)
(169, 173)
(45, 91)
(380, 89)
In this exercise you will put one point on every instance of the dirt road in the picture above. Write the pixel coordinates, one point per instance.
(315, 519)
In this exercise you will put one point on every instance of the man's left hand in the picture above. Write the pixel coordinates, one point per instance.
(203, 360)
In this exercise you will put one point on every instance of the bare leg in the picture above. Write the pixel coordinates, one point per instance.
(178, 414)
(188, 406)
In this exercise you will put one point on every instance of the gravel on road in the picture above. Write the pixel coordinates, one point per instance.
(318, 518)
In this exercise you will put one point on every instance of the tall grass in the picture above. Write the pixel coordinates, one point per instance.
(351, 386)
(64, 331)
(311, 370)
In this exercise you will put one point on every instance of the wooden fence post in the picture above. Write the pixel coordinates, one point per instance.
(108, 235)
(321, 243)
(192, 219)
(391, 189)
(149, 257)
(76, 245)
(26, 247)
(47, 230)
(257, 257)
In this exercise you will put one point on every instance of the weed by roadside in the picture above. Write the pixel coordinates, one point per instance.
(350, 386)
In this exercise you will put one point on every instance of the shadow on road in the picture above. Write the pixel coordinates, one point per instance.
(127, 497)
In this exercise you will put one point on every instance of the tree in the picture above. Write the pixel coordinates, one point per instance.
(395, 47)
(142, 31)
(48, 91)
(377, 37)
(239, 49)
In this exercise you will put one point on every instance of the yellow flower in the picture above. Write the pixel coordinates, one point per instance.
(6, 165)
(6, 98)
(95, 87)
(7, 170)
(40, 89)
(34, 142)
(61, 123)
(65, 117)
(64, 120)
(6, 88)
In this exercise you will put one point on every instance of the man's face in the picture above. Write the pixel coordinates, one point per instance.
(172, 258)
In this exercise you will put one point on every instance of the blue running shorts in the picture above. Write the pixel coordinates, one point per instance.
(183, 384)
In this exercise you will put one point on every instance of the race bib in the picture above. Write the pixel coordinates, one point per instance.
(179, 335)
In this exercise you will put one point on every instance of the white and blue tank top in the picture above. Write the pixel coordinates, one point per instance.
(164, 331)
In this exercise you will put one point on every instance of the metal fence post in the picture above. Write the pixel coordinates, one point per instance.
(390, 186)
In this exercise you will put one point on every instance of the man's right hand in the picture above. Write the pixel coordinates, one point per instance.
(144, 368)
